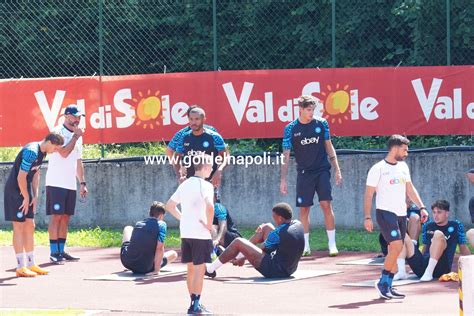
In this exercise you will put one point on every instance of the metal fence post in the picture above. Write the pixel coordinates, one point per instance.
(448, 32)
(214, 32)
(101, 60)
(333, 32)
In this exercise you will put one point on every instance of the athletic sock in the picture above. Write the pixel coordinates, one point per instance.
(20, 260)
(430, 268)
(61, 244)
(384, 276)
(30, 259)
(214, 266)
(401, 265)
(390, 279)
(53, 246)
(331, 237)
(306, 242)
(195, 301)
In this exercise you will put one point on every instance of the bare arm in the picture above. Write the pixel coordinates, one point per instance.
(221, 230)
(284, 172)
(333, 160)
(21, 178)
(217, 176)
(80, 176)
(174, 159)
(35, 188)
(160, 250)
(415, 197)
(470, 176)
(171, 207)
(66, 150)
(464, 250)
(368, 197)
(209, 213)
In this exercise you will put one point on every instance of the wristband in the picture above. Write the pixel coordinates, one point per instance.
(368, 218)
(83, 183)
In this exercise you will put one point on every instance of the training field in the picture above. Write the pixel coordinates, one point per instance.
(65, 288)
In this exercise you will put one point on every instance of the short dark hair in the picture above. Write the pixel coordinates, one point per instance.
(54, 138)
(441, 204)
(306, 100)
(397, 140)
(283, 209)
(156, 209)
(194, 109)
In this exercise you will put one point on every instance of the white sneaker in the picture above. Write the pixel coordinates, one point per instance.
(426, 278)
(400, 276)
(306, 253)
(333, 251)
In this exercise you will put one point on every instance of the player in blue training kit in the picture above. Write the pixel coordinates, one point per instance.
(309, 138)
(20, 200)
(143, 246)
(177, 140)
(440, 237)
(224, 229)
(281, 250)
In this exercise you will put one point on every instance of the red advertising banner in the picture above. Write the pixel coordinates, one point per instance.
(243, 104)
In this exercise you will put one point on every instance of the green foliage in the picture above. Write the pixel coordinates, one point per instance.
(66, 38)
(348, 239)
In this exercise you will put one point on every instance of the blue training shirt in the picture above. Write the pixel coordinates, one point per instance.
(177, 138)
(453, 232)
(308, 143)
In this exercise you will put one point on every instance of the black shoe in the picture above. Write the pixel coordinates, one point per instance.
(383, 290)
(201, 310)
(396, 294)
(68, 257)
(211, 275)
(56, 258)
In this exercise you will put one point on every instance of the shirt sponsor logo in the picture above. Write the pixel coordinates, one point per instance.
(308, 141)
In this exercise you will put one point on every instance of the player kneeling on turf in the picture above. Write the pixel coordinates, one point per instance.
(282, 246)
(143, 248)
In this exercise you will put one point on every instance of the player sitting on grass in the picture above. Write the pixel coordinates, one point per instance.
(282, 246)
(440, 238)
(143, 248)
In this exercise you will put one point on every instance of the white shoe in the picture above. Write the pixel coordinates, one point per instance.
(333, 251)
(426, 278)
(400, 276)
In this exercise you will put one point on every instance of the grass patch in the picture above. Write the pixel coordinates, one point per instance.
(347, 239)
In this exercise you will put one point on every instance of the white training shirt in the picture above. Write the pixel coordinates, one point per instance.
(62, 171)
(192, 194)
(390, 184)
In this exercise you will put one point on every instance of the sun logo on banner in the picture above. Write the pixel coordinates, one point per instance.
(336, 103)
(147, 109)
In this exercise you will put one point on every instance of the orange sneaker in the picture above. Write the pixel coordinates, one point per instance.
(25, 273)
(38, 270)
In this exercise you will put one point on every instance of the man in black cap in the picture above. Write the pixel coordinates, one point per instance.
(63, 168)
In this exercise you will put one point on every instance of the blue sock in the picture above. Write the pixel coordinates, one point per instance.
(53, 246)
(390, 279)
(62, 244)
(195, 301)
(384, 276)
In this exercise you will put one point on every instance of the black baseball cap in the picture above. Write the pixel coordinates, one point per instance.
(73, 110)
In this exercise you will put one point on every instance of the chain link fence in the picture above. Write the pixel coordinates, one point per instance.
(45, 38)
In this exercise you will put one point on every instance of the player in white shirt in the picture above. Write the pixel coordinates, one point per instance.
(390, 179)
(63, 168)
(196, 196)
